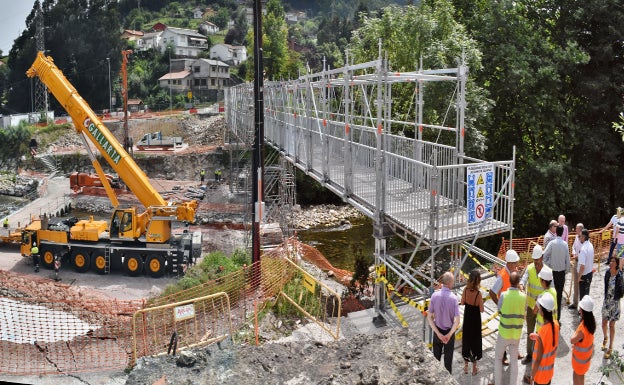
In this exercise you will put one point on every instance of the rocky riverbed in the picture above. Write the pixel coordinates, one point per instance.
(323, 216)
(17, 185)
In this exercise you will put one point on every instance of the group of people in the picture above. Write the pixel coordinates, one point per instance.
(535, 299)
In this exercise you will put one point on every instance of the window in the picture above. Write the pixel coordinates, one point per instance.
(212, 82)
(214, 69)
(196, 82)
(203, 82)
(196, 69)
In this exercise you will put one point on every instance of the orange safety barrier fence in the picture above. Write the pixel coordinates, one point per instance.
(524, 246)
(163, 329)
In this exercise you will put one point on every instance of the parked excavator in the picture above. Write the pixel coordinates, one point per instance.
(156, 240)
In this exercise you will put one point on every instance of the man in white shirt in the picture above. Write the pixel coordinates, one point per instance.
(576, 250)
(561, 220)
(585, 264)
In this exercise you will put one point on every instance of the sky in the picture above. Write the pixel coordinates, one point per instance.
(13, 15)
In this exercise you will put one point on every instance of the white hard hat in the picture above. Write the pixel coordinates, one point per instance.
(511, 256)
(537, 252)
(34, 243)
(587, 303)
(546, 273)
(547, 301)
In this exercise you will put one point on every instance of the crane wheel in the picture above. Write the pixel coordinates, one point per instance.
(156, 266)
(99, 263)
(133, 265)
(80, 262)
(47, 259)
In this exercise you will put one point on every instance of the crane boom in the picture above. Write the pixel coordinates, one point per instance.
(87, 122)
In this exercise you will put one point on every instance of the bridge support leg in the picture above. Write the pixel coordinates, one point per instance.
(380, 278)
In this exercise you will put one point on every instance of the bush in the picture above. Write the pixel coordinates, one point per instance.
(212, 266)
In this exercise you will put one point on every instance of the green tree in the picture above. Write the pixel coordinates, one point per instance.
(552, 73)
(428, 32)
(13, 144)
(275, 45)
(79, 36)
(275, 51)
(221, 18)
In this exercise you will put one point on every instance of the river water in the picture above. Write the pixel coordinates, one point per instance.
(9, 204)
(342, 244)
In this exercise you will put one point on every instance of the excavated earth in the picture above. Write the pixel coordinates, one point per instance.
(393, 357)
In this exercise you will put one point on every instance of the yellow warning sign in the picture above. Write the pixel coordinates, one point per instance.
(309, 283)
(480, 180)
(480, 193)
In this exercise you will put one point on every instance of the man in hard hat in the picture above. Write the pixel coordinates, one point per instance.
(502, 282)
(532, 285)
(511, 306)
(34, 252)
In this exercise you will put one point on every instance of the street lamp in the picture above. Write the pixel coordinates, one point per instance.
(110, 91)
(170, 84)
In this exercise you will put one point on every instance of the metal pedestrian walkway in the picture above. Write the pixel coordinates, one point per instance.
(367, 134)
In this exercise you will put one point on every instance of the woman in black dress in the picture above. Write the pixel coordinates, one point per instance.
(472, 350)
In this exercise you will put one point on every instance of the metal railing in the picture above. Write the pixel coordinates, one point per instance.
(190, 323)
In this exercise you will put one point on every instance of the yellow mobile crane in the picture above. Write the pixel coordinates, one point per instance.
(131, 240)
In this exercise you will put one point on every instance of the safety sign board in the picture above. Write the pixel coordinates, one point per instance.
(480, 193)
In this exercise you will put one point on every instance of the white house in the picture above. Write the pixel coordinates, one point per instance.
(150, 40)
(294, 17)
(208, 28)
(185, 42)
(198, 13)
(234, 54)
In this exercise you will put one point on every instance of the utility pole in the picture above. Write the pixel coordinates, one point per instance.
(170, 84)
(257, 161)
(124, 72)
(110, 90)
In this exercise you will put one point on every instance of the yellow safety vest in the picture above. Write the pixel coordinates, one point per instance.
(534, 286)
(513, 303)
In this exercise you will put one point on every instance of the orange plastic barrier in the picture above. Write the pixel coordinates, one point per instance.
(524, 246)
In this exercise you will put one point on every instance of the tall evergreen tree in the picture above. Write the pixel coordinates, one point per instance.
(79, 36)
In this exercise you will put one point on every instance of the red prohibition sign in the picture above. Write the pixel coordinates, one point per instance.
(480, 210)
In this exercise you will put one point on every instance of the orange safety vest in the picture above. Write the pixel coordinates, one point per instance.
(504, 274)
(546, 367)
(582, 351)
